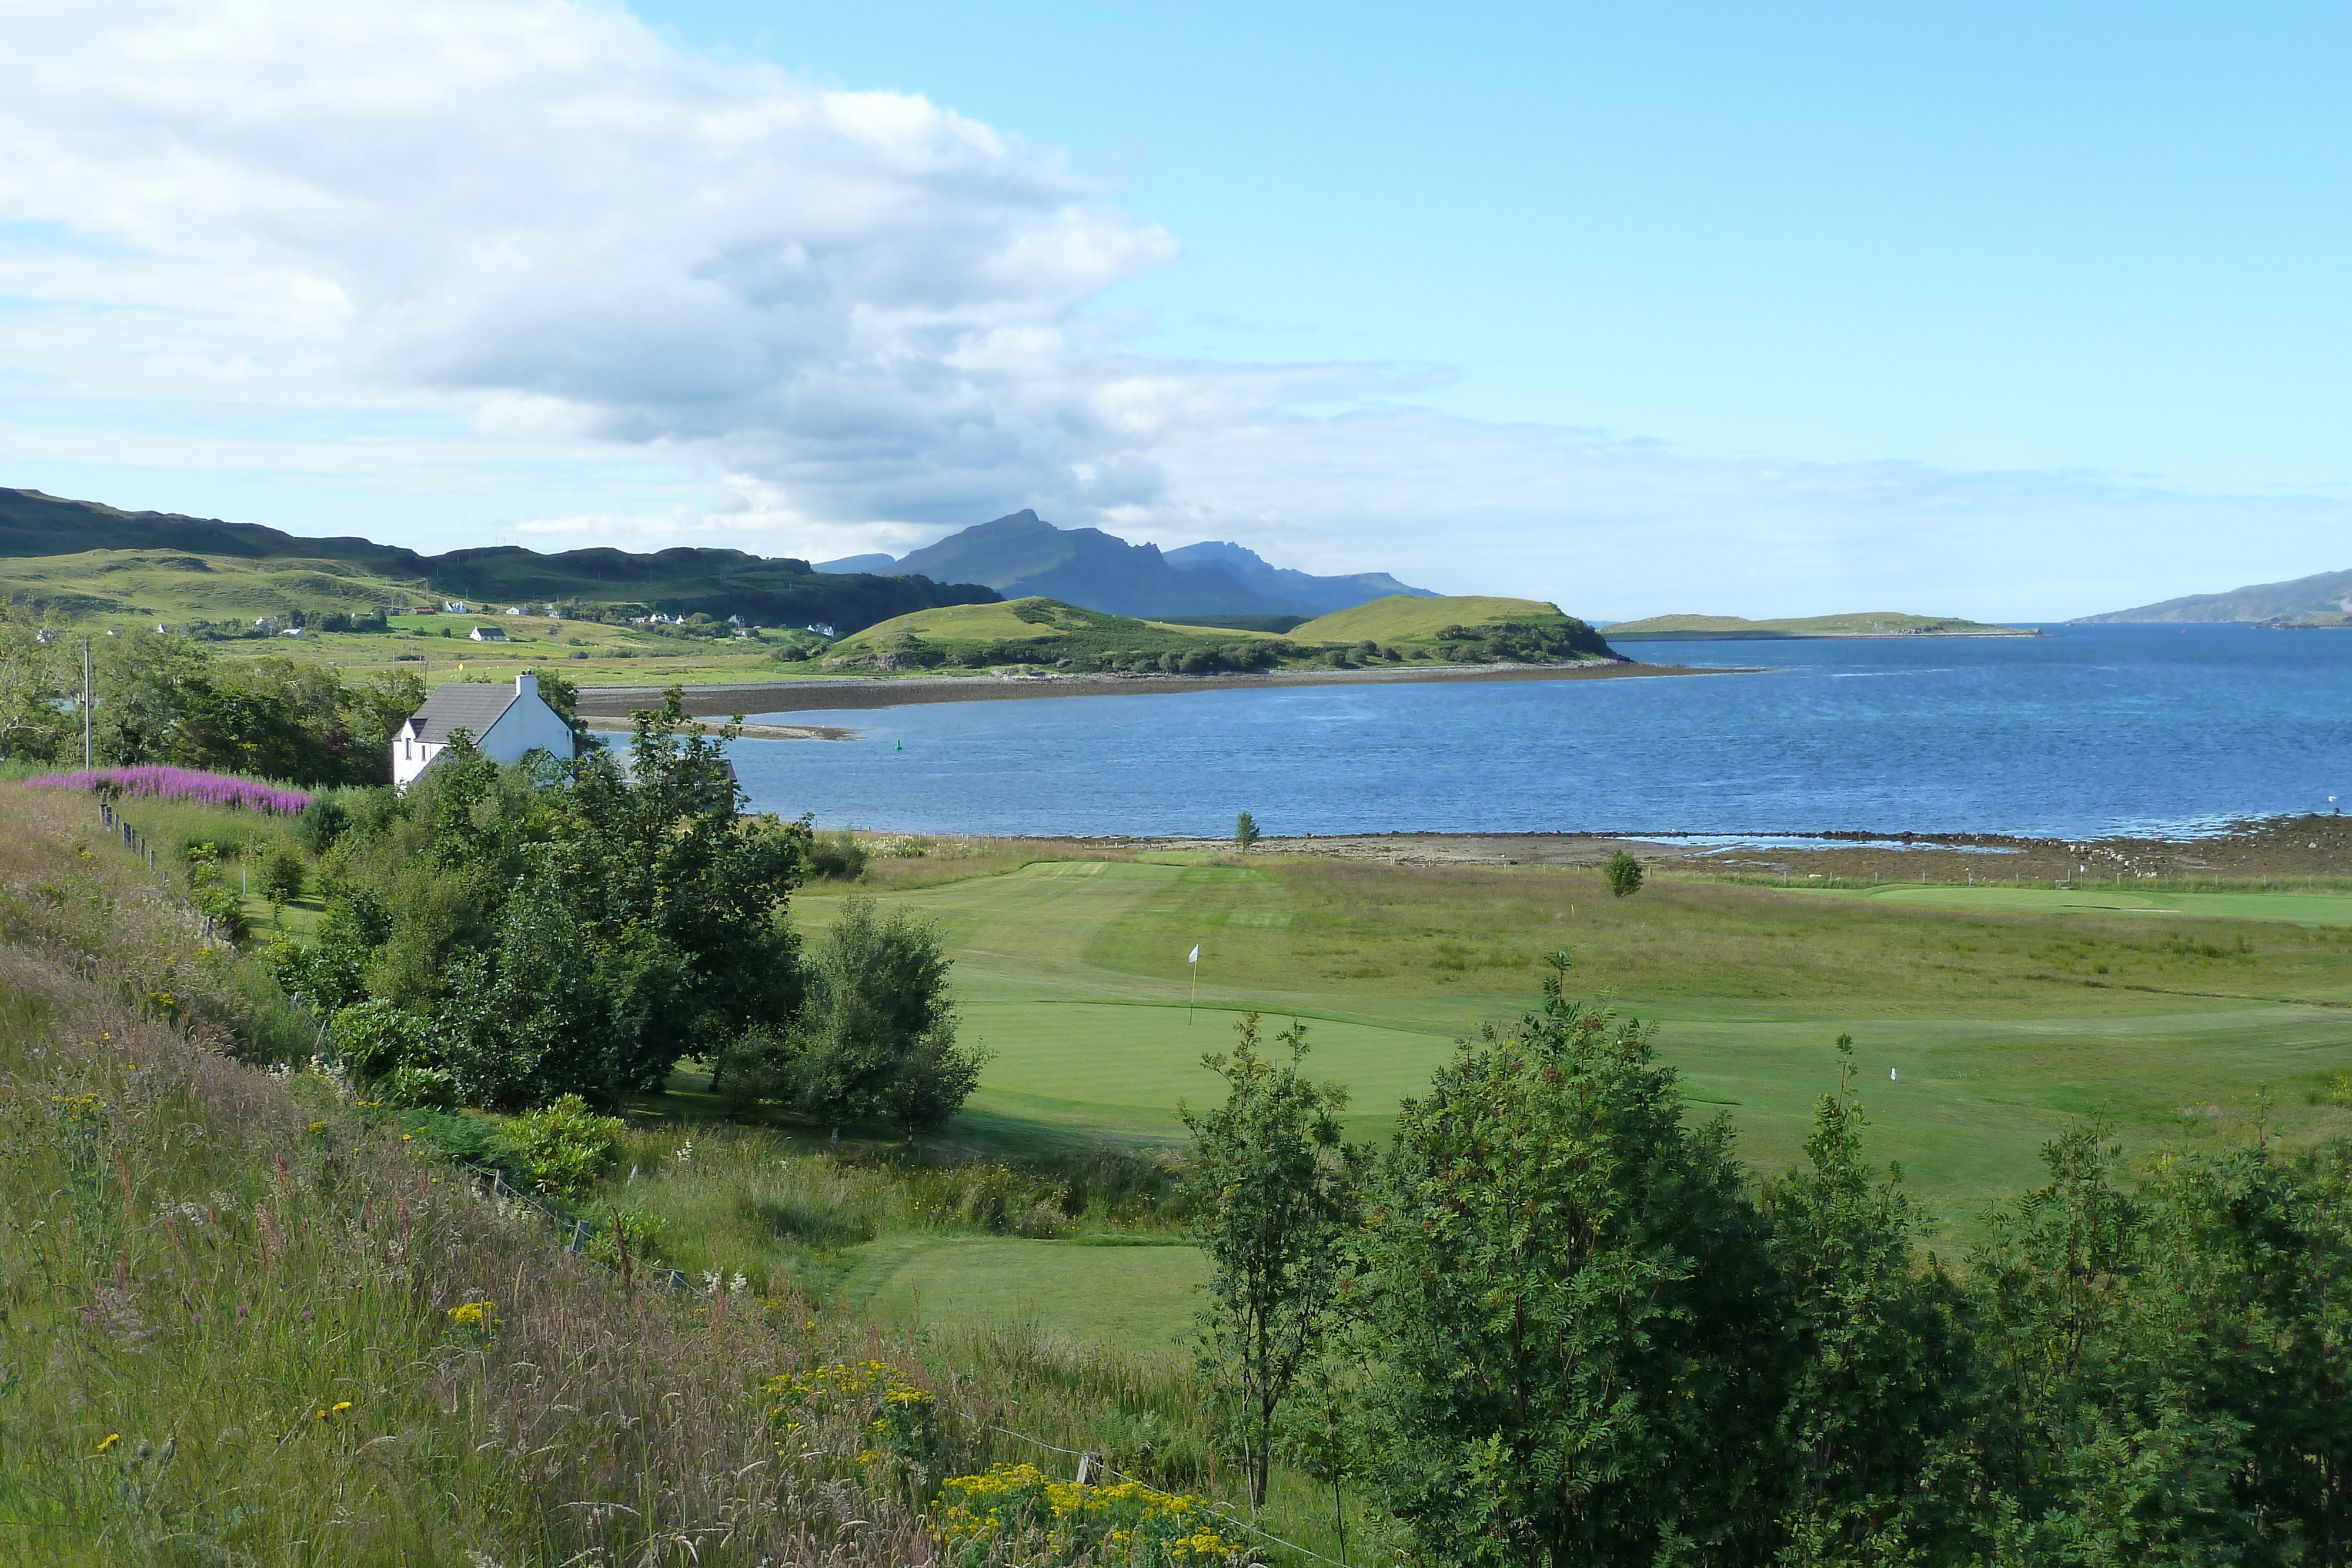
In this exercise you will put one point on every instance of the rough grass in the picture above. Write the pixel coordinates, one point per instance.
(1031, 630)
(1406, 618)
(180, 586)
(2001, 1024)
(195, 1263)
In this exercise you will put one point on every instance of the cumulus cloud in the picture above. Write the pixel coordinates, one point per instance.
(510, 234)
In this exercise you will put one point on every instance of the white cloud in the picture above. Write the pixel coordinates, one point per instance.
(540, 235)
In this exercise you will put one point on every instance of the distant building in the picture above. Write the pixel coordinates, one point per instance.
(454, 607)
(822, 628)
(735, 621)
(515, 610)
(488, 634)
(264, 623)
(506, 725)
(291, 632)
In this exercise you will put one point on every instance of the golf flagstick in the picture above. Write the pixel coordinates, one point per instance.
(1195, 962)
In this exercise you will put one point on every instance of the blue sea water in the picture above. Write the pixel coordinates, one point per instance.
(2089, 731)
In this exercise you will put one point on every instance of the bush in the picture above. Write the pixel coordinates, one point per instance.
(562, 1146)
(320, 824)
(1623, 875)
(375, 1039)
(284, 874)
(840, 858)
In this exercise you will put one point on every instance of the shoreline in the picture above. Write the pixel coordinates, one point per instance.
(881, 691)
(2291, 846)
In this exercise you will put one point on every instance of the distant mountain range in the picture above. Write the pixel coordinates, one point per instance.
(1022, 555)
(768, 590)
(2321, 598)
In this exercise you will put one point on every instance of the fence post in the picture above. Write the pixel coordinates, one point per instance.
(579, 1236)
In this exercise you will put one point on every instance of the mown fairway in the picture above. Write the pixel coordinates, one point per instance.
(2000, 1022)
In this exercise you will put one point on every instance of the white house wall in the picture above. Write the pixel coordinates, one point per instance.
(529, 726)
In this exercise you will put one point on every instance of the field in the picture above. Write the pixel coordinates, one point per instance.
(1984, 1020)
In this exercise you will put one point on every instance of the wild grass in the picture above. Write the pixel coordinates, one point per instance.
(229, 1309)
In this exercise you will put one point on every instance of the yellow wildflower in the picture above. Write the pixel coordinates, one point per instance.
(112, 1438)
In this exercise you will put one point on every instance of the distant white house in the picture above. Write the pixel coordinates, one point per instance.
(291, 632)
(506, 725)
(486, 634)
(515, 610)
(822, 628)
(454, 607)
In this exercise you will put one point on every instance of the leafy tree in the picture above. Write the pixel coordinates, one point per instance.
(35, 677)
(1580, 1348)
(1622, 873)
(1245, 831)
(1881, 1379)
(1273, 1191)
(875, 1039)
(283, 874)
(151, 687)
(557, 929)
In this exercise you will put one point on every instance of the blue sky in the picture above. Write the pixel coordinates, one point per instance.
(2003, 311)
(2084, 236)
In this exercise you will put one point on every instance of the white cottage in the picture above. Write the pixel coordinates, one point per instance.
(506, 725)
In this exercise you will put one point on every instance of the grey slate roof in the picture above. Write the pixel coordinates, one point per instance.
(461, 704)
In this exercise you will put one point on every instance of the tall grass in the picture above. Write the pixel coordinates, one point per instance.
(228, 1333)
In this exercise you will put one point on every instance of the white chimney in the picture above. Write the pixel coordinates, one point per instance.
(526, 685)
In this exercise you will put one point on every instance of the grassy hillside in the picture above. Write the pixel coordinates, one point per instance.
(768, 590)
(1046, 632)
(1464, 628)
(1866, 624)
(176, 587)
(2322, 599)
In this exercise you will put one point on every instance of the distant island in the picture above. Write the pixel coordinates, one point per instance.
(1868, 623)
(2324, 598)
(1037, 634)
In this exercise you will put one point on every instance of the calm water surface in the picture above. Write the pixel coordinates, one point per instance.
(2093, 730)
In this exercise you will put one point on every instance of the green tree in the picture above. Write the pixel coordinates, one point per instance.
(1881, 1379)
(36, 678)
(1273, 1191)
(283, 875)
(1245, 831)
(1622, 873)
(875, 1039)
(1580, 1345)
(151, 687)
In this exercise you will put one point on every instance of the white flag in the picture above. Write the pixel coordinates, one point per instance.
(1196, 954)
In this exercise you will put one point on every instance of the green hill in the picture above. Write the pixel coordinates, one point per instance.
(2322, 598)
(770, 591)
(176, 587)
(1047, 633)
(1462, 629)
(1866, 624)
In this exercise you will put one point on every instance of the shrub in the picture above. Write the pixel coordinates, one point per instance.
(1018, 1513)
(320, 824)
(373, 1039)
(563, 1146)
(840, 858)
(1245, 831)
(1623, 875)
(283, 874)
